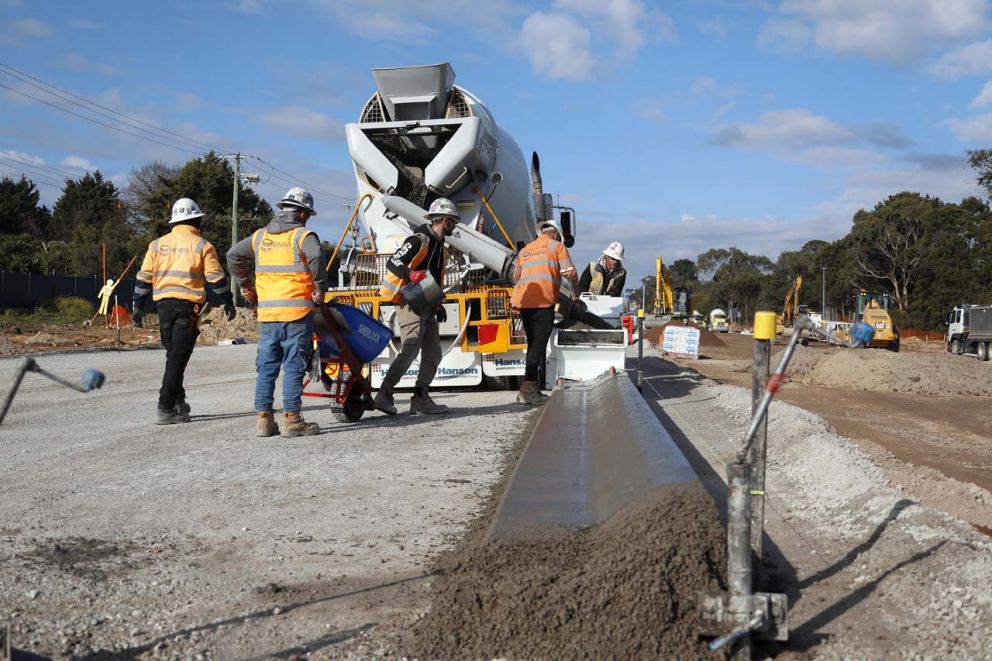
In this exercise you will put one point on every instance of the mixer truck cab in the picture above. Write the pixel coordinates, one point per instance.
(420, 137)
(718, 321)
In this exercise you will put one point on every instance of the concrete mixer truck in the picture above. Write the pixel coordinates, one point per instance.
(420, 137)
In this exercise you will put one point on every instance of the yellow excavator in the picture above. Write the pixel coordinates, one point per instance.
(792, 308)
(663, 300)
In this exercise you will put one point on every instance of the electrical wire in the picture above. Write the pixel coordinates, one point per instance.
(12, 172)
(10, 155)
(83, 102)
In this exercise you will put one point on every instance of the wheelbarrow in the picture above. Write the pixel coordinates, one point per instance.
(346, 340)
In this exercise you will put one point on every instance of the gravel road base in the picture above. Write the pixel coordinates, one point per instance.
(121, 539)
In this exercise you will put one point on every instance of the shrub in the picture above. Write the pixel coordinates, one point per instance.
(70, 309)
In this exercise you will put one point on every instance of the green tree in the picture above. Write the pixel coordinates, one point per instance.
(90, 213)
(21, 253)
(737, 278)
(683, 273)
(209, 181)
(20, 211)
(981, 160)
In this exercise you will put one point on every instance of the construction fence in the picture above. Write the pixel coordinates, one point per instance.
(23, 291)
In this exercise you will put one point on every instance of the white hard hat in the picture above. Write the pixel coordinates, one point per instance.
(297, 197)
(185, 209)
(548, 226)
(440, 207)
(614, 250)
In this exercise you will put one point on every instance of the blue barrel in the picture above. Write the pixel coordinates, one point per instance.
(364, 335)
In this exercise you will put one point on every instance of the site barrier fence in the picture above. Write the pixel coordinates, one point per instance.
(22, 291)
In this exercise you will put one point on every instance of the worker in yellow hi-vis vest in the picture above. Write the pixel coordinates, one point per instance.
(180, 273)
(289, 282)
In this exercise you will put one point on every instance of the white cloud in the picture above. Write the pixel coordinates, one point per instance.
(784, 129)
(30, 27)
(77, 62)
(984, 98)
(653, 110)
(891, 30)
(968, 60)
(838, 157)
(188, 100)
(866, 189)
(558, 46)
(304, 122)
(975, 130)
(629, 24)
(786, 36)
(78, 162)
(85, 24)
(249, 6)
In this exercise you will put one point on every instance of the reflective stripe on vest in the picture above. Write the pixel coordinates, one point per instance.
(540, 270)
(282, 278)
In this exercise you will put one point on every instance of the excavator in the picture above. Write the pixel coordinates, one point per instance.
(787, 319)
(663, 302)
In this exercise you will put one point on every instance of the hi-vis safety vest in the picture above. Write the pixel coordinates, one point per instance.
(392, 283)
(282, 277)
(179, 265)
(540, 265)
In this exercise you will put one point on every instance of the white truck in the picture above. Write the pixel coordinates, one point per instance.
(718, 321)
(420, 137)
(969, 330)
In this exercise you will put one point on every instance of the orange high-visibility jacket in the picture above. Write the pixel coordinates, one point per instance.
(540, 266)
(393, 283)
(282, 278)
(180, 265)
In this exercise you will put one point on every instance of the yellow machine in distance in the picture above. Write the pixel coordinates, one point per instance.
(788, 317)
(873, 308)
(663, 300)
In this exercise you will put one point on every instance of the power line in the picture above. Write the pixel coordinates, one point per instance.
(11, 163)
(96, 121)
(69, 96)
(293, 180)
(30, 176)
(17, 157)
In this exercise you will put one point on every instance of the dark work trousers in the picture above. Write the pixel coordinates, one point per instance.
(538, 323)
(177, 323)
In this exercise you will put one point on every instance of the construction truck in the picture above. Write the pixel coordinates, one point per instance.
(969, 330)
(718, 321)
(873, 309)
(420, 137)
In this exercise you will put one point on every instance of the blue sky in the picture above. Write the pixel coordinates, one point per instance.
(671, 126)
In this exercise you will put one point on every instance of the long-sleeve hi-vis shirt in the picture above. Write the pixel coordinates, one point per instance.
(540, 266)
(181, 265)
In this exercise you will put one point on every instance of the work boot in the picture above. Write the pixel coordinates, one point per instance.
(183, 408)
(293, 424)
(266, 424)
(530, 394)
(170, 417)
(423, 403)
(384, 400)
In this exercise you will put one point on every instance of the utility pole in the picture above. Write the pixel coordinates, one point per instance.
(823, 292)
(237, 156)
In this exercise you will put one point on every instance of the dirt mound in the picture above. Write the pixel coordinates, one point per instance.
(883, 371)
(215, 327)
(706, 338)
(42, 337)
(914, 343)
(624, 589)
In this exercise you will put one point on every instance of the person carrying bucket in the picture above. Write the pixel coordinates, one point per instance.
(413, 281)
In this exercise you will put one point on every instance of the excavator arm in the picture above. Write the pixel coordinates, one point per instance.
(792, 301)
(663, 299)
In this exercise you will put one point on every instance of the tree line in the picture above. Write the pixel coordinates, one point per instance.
(92, 211)
(927, 254)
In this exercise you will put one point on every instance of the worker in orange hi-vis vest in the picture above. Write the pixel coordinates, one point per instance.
(289, 283)
(541, 265)
(180, 272)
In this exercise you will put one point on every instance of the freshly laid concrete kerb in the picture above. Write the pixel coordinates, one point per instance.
(119, 535)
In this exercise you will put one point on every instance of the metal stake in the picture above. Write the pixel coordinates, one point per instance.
(739, 574)
(640, 345)
(764, 331)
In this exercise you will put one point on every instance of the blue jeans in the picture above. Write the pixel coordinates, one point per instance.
(286, 343)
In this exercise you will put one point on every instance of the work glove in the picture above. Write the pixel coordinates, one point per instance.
(230, 310)
(138, 318)
(440, 313)
(250, 295)
(417, 276)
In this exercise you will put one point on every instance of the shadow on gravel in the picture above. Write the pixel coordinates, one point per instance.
(805, 636)
(404, 418)
(330, 639)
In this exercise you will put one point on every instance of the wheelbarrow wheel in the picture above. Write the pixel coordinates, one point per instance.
(353, 408)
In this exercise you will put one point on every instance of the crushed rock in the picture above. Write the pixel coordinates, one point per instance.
(42, 337)
(214, 326)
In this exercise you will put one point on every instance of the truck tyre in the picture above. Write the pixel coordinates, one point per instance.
(982, 351)
(955, 347)
(894, 345)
